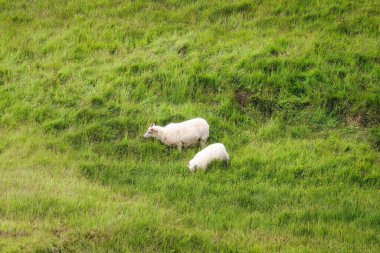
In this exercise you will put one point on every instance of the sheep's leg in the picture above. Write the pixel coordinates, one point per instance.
(168, 150)
(179, 147)
(225, 163)
(202, 143)
(198, 144)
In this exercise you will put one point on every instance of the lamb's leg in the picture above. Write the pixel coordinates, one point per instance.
(167, 150)
(179, 148)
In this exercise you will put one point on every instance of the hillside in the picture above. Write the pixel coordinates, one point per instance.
(292, 89)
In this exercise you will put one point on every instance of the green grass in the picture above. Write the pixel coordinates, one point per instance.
(291, 88)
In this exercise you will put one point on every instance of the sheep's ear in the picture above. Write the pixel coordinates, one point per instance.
(152, 124)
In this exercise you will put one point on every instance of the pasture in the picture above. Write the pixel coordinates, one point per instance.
(291, 88)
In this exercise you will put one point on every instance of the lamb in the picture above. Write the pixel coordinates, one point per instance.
(184, 134)
(213, 152)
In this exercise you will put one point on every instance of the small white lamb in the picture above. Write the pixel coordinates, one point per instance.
(184, 134)
(213, 152)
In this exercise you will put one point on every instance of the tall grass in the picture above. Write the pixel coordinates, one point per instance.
(291, 88)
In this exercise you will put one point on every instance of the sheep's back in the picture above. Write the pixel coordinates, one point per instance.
(193, 127)
(212, 152)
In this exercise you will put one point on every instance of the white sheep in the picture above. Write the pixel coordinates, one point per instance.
(184, 134)
(213, 152)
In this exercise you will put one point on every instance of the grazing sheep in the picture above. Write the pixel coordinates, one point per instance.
(184, 134)
(213, 152)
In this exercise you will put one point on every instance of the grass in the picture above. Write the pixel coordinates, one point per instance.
(291, 88)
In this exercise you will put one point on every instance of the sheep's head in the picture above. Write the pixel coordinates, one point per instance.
(192, 166)
(151, 132)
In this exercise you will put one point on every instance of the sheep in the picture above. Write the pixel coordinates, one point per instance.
(184, 134)
(213, 152)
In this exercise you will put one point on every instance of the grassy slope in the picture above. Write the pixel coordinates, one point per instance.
(292, 89)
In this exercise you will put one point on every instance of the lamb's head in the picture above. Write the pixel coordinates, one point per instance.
(151, 132)
(192, 166)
